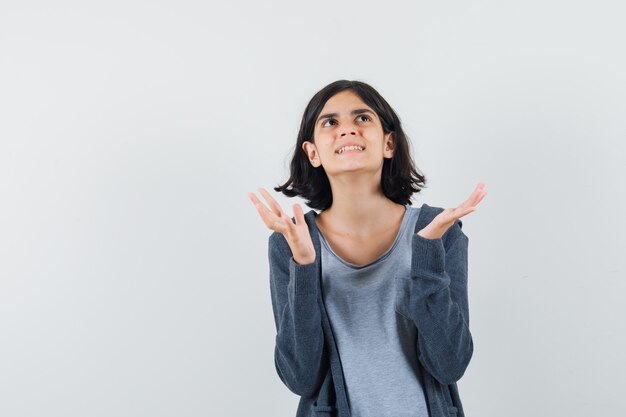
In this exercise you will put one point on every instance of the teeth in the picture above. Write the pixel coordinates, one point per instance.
(350, 148)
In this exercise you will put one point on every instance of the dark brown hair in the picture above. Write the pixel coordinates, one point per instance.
(400, 178)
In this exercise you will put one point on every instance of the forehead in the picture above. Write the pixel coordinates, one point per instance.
(346, 98)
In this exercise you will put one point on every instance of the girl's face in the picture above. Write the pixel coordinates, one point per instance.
(346, 120)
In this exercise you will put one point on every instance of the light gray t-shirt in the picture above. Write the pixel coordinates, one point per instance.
(377, 346)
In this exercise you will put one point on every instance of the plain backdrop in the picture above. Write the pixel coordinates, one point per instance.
(134, 276)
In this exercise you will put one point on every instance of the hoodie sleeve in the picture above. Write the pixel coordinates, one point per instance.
(439, 304)
(299, 353)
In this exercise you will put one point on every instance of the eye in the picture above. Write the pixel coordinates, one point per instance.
(333, 120)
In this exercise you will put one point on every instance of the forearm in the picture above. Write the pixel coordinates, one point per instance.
(299, 352)
(438, 305)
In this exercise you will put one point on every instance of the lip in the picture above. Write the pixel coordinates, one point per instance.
(349, 144)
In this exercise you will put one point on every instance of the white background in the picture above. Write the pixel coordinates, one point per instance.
(134, 277)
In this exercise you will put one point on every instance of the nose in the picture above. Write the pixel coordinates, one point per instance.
(347, 130)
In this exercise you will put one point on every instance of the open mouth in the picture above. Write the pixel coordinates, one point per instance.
(350, 149)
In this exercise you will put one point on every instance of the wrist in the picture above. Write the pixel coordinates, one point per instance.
(430, 234)
(303, 261)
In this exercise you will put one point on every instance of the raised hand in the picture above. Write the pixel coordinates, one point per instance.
(297, 235)
(442, 222)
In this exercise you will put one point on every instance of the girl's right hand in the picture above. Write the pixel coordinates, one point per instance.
(297, 235)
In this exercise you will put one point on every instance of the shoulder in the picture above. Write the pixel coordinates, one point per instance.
(278, 252)
(277, 241)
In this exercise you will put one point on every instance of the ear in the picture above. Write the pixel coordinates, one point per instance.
(390, 145)
(311, 151)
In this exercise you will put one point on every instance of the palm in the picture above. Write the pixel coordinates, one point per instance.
(297, 235)
(442, 222)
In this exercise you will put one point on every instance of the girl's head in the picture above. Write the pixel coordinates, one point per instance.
(343, 113)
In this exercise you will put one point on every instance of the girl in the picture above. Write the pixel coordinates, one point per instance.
(370, 295)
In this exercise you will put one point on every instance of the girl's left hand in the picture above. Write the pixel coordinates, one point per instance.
(442, 222)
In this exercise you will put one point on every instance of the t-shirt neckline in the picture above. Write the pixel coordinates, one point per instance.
(405, 219)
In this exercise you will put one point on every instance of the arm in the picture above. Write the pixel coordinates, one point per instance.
(299, 354)
(439, 305)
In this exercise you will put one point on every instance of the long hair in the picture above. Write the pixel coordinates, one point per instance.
(400, 178)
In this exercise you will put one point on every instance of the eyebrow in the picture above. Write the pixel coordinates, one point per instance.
(353, 112)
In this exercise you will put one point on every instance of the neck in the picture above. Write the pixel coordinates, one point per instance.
(359, 206)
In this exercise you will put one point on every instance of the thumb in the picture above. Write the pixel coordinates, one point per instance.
(298, 213)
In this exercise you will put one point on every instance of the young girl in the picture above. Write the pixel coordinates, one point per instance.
(370, 295)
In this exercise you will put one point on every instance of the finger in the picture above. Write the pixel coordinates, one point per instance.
(479, 193)
(468, 203)
(272, 203)
(258, 204)
(290, 228)
(298, 213)
(480, 198)
(270, 219)
(472, 201)
(475, 197)
(462, 211)
(264, 211)
(254, 199)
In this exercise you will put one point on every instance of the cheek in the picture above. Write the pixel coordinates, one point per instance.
(323, 142)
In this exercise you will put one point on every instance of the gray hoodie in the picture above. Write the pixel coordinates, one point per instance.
(434, 297)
